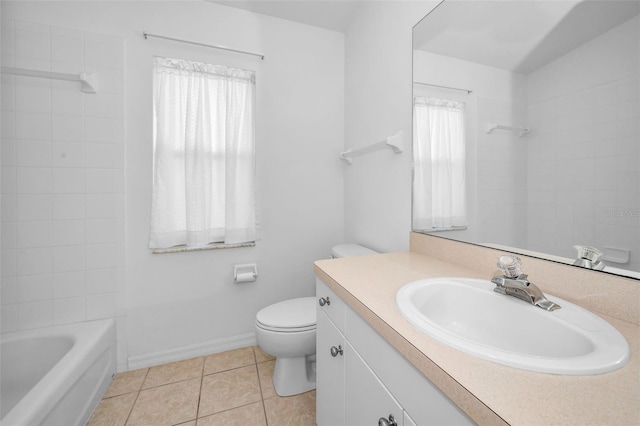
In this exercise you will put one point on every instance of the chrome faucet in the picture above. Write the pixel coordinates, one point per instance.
(515, 283)
(588, 258)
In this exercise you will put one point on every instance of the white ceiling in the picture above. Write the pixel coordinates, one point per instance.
(518, 35)
(330, 14)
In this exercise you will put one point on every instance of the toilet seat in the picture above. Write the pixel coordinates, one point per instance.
(294, 315)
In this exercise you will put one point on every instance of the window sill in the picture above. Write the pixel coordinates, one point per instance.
(212, 246)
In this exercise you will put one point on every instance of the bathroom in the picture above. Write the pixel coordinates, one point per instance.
(176, 306)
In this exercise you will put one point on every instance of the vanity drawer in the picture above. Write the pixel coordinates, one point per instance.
(331, 304)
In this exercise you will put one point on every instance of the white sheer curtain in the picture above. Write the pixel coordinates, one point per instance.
(439, 164)
(203, 169)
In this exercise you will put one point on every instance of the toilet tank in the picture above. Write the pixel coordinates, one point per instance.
(347, 250)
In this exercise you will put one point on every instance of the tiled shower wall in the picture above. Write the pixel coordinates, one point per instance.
(584, 150)
(62, 181)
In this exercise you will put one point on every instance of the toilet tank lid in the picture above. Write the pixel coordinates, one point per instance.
(347, 250)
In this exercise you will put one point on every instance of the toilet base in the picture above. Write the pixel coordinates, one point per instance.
(294, 375)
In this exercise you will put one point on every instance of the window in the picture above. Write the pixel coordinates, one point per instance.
(203, 155)
(439, 164)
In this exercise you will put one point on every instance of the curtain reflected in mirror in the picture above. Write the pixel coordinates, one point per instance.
(439, 164)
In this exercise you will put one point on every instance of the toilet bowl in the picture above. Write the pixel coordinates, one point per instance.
(287, 331)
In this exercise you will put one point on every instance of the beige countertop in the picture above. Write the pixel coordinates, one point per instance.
(489, 393)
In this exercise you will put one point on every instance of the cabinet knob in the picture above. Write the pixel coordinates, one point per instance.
(335, 351)
(324, 301)
(391, 421)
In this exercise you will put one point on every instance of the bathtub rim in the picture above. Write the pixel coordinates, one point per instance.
(43, 397)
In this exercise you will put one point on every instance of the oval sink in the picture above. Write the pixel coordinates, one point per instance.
(468, 315)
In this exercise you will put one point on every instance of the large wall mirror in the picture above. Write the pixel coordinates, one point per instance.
(526, 128)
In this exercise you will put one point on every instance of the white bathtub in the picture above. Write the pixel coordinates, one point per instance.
(56, 375)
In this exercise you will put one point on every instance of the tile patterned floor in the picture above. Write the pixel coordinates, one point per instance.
(229, 388)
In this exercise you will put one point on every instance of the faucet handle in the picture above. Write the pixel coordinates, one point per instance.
(587, 252)
(510, 266)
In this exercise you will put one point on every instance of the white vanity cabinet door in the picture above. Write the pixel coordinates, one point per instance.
(331, 304)
(330, 371)
(367, 400)
(408, 421)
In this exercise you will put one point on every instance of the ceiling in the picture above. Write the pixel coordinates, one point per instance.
(518, 35)
(329, 14)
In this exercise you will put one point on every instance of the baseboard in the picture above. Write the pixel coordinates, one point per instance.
(191, 351)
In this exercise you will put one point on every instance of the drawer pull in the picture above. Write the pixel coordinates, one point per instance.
(391, 421)
(335, 351)
(324, 301)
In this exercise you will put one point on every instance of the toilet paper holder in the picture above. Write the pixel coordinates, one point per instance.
(245, 273)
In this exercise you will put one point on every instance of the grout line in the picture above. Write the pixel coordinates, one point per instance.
(204, 362)
(264, 408)
(136, 400)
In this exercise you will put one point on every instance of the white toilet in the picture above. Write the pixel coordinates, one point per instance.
(287, 330)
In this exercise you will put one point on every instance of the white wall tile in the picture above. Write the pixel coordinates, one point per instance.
(8, 130)
(9, 261)
(69, 284)
(101, 130)
(9, 235)
(34, 234)
(105, 105)
(35, 314)
(66, 311)
(9, 180)
(34, 206)
(68, 206)
(33, 288)
(68, 232)
(67, 47)
(9, 207)
(66, 98)
(33, 153)
(69, 258)
(8, 153)
(66, 128)
(32, 45)
(68, 181)
(45, 176)
(33, 95)
(33, 180)
(9, 291)
(31, 125)
(111, 80)
(67, 154)
(100, 256)
(9, 317)
(101, 306)
(100, 181)
(100, 155)
(101, 281)
(33, 261)
(101, 231)
(7, 45)
(101, 206)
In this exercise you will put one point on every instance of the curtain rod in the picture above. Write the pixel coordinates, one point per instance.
(146, 35)
(444, 87)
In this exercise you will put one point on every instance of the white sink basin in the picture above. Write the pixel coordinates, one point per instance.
(468, 315)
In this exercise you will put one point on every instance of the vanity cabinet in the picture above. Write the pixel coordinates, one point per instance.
(362, 380)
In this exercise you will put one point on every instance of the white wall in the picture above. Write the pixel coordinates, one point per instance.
(186, 303)
(378, 85)
(584, 156)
